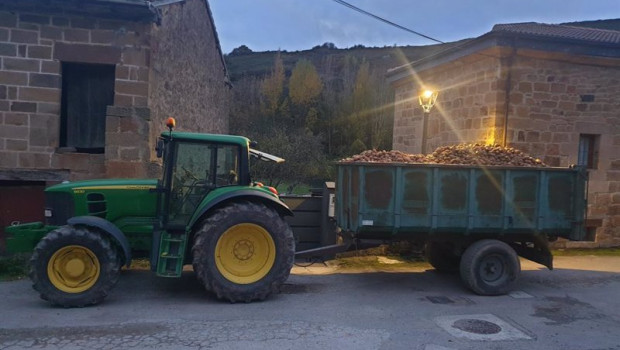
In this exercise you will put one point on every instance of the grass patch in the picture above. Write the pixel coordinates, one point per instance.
(140, 264)
(14, 267)
(585, 252)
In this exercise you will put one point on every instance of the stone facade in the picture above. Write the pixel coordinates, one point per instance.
(541, 102)
(162, 62)
(473, 94)
(188, 78)
(173, 68)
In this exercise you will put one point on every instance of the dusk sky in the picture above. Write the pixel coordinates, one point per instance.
(301, 24)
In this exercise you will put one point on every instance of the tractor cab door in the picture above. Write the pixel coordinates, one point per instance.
(191, 171)
(195, 170)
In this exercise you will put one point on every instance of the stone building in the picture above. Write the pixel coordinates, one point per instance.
(549, 90)
(85, 87)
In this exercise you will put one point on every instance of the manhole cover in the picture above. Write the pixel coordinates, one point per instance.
(477, 326)
(485, 327)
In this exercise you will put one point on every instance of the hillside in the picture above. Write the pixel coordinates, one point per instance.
(315, 106)
(259, 64)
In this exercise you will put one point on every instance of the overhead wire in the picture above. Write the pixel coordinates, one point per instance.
(355, 8)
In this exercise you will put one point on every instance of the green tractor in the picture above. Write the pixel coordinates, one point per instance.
(205, 211)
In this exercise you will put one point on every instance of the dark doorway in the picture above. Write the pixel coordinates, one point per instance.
(87, 90)
(20, 201)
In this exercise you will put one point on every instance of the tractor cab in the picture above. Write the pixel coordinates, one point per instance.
(200, 172)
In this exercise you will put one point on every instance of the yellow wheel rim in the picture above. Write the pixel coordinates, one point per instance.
(73, 269)
(245, 253)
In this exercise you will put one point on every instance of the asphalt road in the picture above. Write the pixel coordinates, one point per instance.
(576, 306)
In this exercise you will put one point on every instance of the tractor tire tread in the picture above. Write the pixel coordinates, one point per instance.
(469, 269)
(107, 254)
(205, 242)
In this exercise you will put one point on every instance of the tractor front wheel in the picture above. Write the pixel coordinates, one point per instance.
(74, 267)
(243, 252)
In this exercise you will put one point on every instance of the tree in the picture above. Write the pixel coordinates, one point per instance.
(241, 50)
(326, 45)
(362, 104)
(273, 88)
(304, 163)
(305, 85)
(304, 90)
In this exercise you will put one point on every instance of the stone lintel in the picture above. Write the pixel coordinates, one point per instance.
(128, 112)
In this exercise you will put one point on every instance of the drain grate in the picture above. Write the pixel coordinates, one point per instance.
(477, 326)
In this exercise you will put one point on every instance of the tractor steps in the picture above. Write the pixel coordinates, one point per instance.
(171, 254)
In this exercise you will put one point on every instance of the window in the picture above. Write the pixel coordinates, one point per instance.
(87, 90)
(588, 150)
(200, 168)
(227, 166)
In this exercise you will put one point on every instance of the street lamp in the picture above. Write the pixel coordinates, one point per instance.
(427, 101)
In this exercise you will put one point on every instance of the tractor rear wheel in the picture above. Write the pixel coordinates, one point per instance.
(74, 266)
(243, 252)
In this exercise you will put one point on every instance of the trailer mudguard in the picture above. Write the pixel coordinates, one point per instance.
(270, 200)
(109, 228)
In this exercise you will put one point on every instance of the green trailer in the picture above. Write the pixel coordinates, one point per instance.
(472, 219)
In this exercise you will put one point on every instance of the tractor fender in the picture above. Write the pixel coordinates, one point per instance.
(276, 203)
(108, 228)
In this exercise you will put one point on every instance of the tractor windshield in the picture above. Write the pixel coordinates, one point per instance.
(198, 169)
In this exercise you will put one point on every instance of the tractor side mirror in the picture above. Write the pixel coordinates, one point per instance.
(160, 148)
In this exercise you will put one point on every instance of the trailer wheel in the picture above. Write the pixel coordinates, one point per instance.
(441, 257)
(73, 266)
(243, 252)
(489, 267)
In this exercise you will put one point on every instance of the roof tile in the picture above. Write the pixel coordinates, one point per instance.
(561, 31)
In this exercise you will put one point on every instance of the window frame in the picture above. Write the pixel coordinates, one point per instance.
(588, 150)
(70, 138)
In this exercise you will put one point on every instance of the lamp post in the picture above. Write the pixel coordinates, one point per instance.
(427, 101)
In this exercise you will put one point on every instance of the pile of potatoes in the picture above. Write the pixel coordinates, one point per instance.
(464, 154)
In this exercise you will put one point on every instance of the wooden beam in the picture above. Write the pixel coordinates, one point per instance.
(34, 175)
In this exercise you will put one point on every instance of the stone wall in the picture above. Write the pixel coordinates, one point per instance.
(188, 78)
(551, 99)
(127, 137)
(32, 46)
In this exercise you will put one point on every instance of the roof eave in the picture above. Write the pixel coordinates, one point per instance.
(219, 46)
(136, 11)
(508, 39)
(480, 43)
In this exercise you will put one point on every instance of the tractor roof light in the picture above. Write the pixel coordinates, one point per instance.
(171, 123)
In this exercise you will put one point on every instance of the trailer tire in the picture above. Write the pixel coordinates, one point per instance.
(441, 257)
(243, 252)
(74, 266)
(489, 267)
